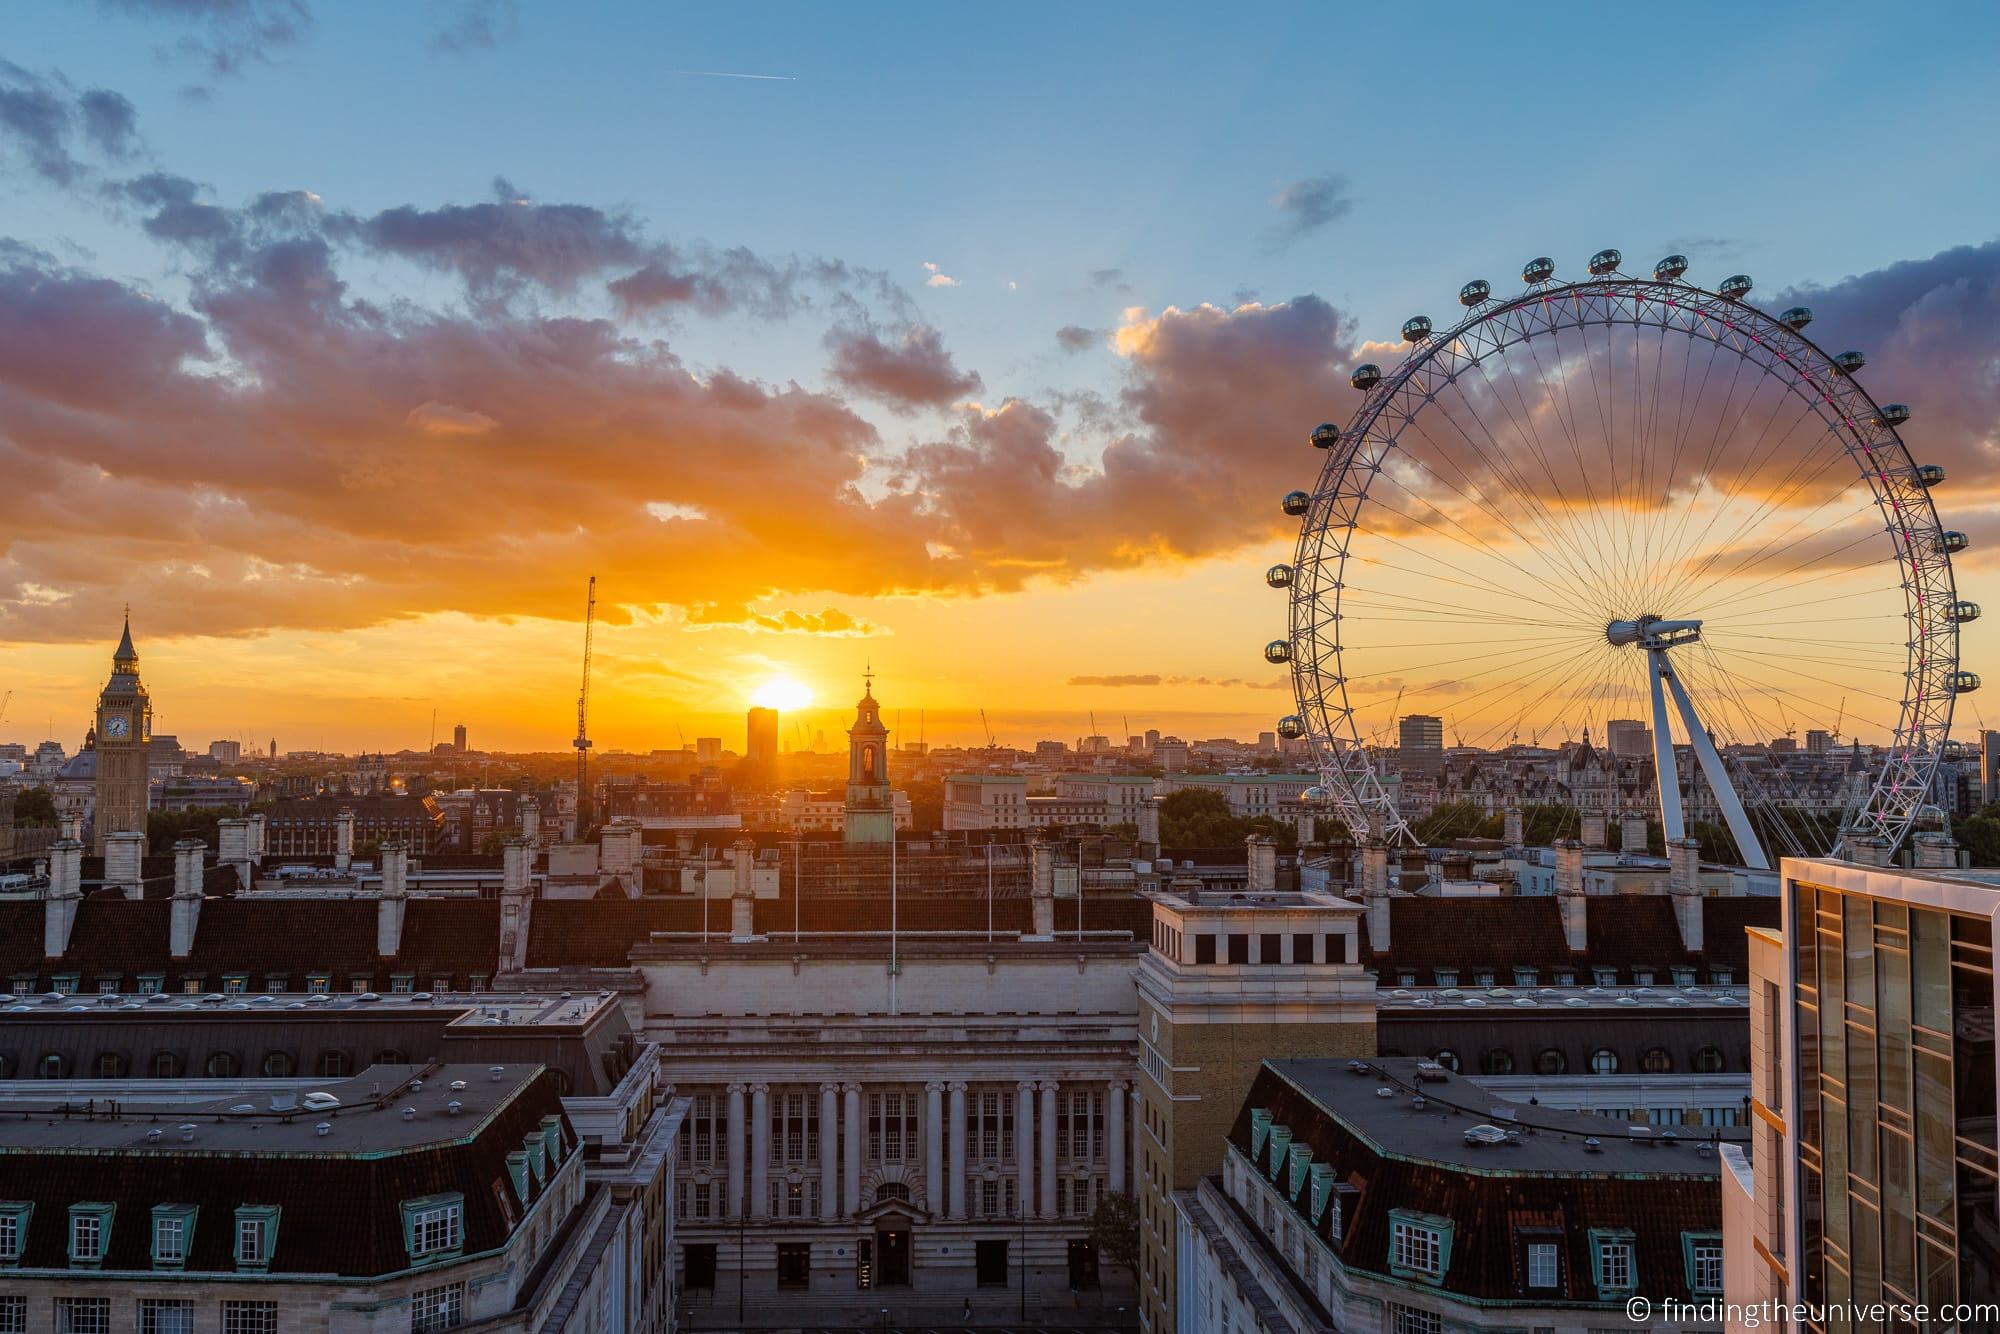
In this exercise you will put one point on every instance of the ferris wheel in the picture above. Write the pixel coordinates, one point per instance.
(1630, 498)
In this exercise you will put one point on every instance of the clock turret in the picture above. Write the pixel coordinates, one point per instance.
(124, 726)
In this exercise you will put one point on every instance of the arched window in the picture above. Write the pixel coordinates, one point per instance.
(110, 1065)
(222, 1065)
(1497, 1061)
(562, 1082)
(335, 1065)
(166, 1065)
(388, 1056)
(278, 1065)
(1447, 1058)
(1604, 1061)
(1551, 1061)
(52, 1066)
(1657, 1061)
(892, 1190)
(1708, 1061)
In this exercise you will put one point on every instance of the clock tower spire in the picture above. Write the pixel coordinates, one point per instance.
(124, 728)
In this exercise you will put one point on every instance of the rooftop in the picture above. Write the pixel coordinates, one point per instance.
(510, 1011)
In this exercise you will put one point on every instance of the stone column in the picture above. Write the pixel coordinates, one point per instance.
(1510, 827)
(1048, 1173)
(59, 899)
(1632, 833)
(1263, 863)
(1593, 823)
(124, 862)
(760, 1150)
(185, 912)
(851, 1167)
(934, 1148)
(1570, 898)
(1684, 887)
(389, 908)
(829, 1152)
(343, 840)
(735, 1131)
(955, 1201)
(1024, 1145)
(1114, 1125)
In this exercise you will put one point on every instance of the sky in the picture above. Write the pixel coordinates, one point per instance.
(976, 344)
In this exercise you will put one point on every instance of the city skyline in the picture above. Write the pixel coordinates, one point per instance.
(1031, 461)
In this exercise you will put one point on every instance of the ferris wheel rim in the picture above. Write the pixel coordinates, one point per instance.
(1897, 795)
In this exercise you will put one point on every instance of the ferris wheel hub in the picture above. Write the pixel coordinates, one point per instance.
(1652, 632)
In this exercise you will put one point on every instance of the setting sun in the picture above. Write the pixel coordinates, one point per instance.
(783, 694)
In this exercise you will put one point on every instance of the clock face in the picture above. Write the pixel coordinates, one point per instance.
(117, 726)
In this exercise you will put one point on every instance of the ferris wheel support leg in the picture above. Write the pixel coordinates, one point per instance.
(1663, 756)
(1711, 765)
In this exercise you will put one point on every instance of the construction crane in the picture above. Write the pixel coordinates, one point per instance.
(583, 718)
(989, 729)
(5, 700)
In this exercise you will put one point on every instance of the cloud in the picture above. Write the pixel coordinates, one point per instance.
(223, 36)
(442, 419)
(830, 622)
(1076, 338)
(937, 277)
(913, 372)
(45, 121)
(1155, 679)
(1136, 679)
(473, 25)
(1307, 205)
(505, 242)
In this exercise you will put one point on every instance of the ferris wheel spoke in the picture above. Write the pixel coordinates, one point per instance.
(1477, 548)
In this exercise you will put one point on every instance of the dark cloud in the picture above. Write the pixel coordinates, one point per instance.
(224, 37)
(1307, 205)
(912, 372)
(109, 120)
(1076, 338)
(44, 120)
(503, 243)
(473, 25)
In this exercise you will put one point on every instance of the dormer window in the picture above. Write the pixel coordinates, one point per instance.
(1527, 977)
(1612, 1263)
(235, 984)
(89, 1234)
(256, 1236)
(1606, 977)
(1643, 976)
(1406, 978)
(1722, 977)
(318, 984)
(173, 1233)
(1683, 977)
(1419, 1245)
(1482, 979)
(1446, 977)
(434, 1227)
(14, 1215)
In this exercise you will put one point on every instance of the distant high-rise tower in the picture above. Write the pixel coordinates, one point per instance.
(458, 739)
(1421, 738)
(124, 726)
(870, 816)
(1628, 738)
(760, 744)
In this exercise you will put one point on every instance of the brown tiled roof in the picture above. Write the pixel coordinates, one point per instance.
(1724, 923)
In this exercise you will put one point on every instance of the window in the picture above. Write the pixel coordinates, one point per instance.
(1708, 1061)
(234, 984)
(1606, 977)
(246, 1317)
(1447, 1058)
(1704, 1261)
(1544, 1264)
(334, 1065)
(1302, 947)
(13, 1229)
(318, 984)
(1417, 1245)
(1446, 977)
(437, 1308)
(1657, 1061)
(794, 1130)
(278, 1065)
(173, 1229)
(52, 1066)
(83, 1315)
(1551, 1061)
(1204, 949)
(158, 1315)
(222, 1065)
(892, 1127)
(166, 1065)
(1483, 978)
(1497, 1061)
(13, 1315)
(89, 1233)
(1270, 947)
(434, 1226)
(1412, 1320)
(1527, 977)
(1604, 1061)
(1611, 1256)
(110, 1065)
(151, 984)
(703, 1131)
(1079, 1124)
(256, 1236)
(1239, 948)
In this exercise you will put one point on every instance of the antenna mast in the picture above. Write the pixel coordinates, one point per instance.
(582, 822)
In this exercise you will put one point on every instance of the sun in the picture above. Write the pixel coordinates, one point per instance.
(782, 694)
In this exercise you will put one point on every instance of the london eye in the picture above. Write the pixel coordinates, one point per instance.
(1621, 497)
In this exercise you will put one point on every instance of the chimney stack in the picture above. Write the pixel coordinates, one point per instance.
(1632, 833)
(343, 840)
(124, 858)
(185, 913)
(1263, 863)
(1594, 830)
(1934, 850)
(1042, 889)
(1511, 830)
(1149, 824)
(390, 907)
(1684, 885)
(72, 825)
(1570, 898)
(531, 820)
(256, 838)
(233, 847)
(743, 891)
(618, 848)
(1869, 851)
(1375, 892)
(517, 902)
(64, 892)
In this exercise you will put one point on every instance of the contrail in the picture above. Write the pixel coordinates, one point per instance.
(725, 74)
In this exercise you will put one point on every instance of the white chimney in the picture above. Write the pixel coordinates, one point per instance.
(343, 840)
(1570, 898)
(1375, 892)
(531, 819)
(256, 837)
(1684, 884)
(1868, 851)
(64, 892)
(1042, 889)
(1594, 830)
(1932, 850)
(185, 913)
(743, 890)
(389, 908)
(618, 846)
(517, 900)
(72, 824)
(1263, 861)
(1632, 833)
(233, 847)
(124, 858)
(1149, 822)
(1510, 827)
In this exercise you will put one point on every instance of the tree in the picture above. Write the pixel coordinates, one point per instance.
(35, 806)
(165, 828)
(1114, 1230)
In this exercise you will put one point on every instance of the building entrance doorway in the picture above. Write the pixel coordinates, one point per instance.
(1082, 1264)
(892, 1258)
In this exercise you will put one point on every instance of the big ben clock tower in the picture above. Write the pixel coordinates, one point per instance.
(124, 727)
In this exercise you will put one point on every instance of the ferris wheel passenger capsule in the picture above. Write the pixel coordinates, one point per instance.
(1366, 376)
(1291, 727)
(1961, 612)
(1277, 651)
(1325, 435)
(1929, 475)
(1313, 796)
(1891, 414)
(1297, 503)
(1474, 292)
(1797, 318)
(1962, 683)
(1279, 576)
(1735, 287)
(1849, 362)
(1605, 262)
(1670, 269)
(1416, 328)
(1538, 270)
(1952, 542)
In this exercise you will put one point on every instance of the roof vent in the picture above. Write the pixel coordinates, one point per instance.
(1592, 1144)
(153, 1135)
(453, 1107)
(416, 1086)
(1357, 1067)
(458, 1086)
(1479, 1135)
(495, 1071)
(243, 1108)
(187, 1132)
(1385, 1092)
(323, 1129)
(1418, 1102)
(409, 1113)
